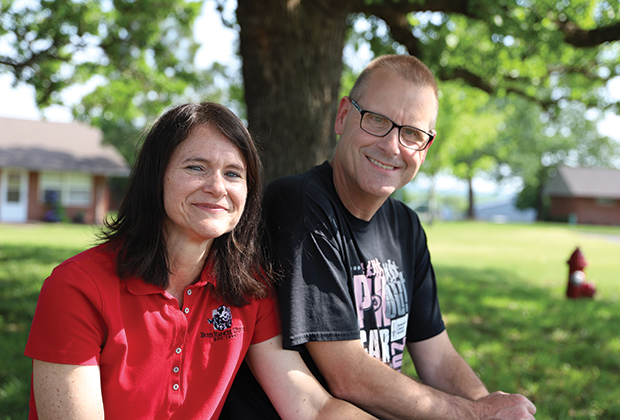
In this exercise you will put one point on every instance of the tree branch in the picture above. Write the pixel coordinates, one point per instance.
(468, 77)
(582, 38)
(391, 7)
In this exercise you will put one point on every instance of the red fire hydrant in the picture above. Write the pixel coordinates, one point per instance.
(577, 285)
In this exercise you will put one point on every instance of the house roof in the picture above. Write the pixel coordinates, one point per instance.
(585, 182)
(43, 145)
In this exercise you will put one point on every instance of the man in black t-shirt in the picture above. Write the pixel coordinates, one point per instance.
(352, 279)
(358, 285)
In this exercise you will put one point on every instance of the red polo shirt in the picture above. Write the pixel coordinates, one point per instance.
(157, 361)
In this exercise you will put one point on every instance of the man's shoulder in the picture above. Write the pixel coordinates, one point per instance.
(303, 203)
(317, 175)
(296, 191)
(398, 209)
(398, 217)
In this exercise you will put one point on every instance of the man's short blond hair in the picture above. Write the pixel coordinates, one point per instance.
(408, 67)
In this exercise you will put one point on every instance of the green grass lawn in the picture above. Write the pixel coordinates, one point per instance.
(502, 292)
(27, 256)
(501, 289)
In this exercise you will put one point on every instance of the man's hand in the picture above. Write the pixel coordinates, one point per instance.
(500, 405)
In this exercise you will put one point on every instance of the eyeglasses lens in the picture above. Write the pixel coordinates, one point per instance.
(378, 125)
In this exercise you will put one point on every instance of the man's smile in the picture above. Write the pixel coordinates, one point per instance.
(380, 165)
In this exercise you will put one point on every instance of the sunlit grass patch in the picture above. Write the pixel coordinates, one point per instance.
(27, 256)
(501, 291)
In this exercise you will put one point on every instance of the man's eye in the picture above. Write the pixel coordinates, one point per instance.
(377, 119)
(409, 132)
(414, 135)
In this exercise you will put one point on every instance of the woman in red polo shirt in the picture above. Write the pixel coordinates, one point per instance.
(154, 322)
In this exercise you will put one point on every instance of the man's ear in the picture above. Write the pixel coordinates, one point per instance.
(343, 110)
(425, 151)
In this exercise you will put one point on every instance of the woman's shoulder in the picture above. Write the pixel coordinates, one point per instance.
(92, 267)
(92, 258)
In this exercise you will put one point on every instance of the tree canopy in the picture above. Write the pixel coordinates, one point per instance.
(138, 53)
(556, 55)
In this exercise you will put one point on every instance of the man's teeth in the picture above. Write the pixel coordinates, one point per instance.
(379, 164)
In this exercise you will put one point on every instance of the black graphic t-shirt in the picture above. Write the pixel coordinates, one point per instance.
(345, 278)
(342, 279)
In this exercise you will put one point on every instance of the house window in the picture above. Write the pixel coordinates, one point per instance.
(73, 189)
(606, 202)
(13, 193)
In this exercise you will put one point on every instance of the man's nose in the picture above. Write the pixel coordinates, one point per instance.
(391, 141)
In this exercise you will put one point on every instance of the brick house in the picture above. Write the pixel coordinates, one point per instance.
(41, 161)
(585, 195)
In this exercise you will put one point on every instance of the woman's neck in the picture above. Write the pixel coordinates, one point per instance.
(187, 260)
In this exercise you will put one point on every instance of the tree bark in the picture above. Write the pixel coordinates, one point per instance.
(543, 178)
(471, 211)
(292, 63)
(432, 201)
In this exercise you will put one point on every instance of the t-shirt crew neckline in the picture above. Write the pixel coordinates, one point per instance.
(357, 224)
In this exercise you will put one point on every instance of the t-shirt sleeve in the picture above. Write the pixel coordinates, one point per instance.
(67, 327)
(425, 320)
(315, 299)
(267, 320)
(315, 292)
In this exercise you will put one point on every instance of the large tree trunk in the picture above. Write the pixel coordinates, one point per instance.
(539, 203)
(432, 201)
(292, 63)
(471, 211)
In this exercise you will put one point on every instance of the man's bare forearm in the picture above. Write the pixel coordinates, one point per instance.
(355, 376)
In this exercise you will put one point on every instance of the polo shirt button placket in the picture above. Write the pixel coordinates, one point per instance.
(176, 370)
(176, 386)
(189, 293)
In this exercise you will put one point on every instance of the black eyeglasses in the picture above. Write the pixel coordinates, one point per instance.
(379, 125)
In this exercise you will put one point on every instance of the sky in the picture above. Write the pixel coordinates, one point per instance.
(218, 43)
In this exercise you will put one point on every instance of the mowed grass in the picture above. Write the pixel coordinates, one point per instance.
(502, 292)
(501, 289)
(28, 253)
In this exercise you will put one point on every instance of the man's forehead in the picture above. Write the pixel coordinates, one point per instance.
(386, 82)
(402, 100)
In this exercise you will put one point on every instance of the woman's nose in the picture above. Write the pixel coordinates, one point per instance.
(214, 184)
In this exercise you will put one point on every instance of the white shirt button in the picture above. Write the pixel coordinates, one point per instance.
(189, 292)
(176, 369)
(178, 350)
(186, 310)
(175, 387)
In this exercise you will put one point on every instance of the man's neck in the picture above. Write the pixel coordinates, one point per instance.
(357, 202)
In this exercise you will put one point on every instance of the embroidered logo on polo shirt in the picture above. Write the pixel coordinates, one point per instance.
(222, 318)
(222, 324)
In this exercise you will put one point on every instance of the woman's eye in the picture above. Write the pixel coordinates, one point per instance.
(194, 167)
(233, 174)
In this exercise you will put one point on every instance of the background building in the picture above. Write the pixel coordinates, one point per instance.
(585, 195)
(46, 166)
